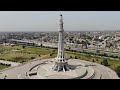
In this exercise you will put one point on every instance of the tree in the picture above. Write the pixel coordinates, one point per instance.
(41, 45)
(5, 41)
(70, 56)
(72, 41)
(69, 47)
(51, 54)
(76, 57)
(105, 54)
(93, 60)
(33, 44)
(53, 51)
(23, 46)
(77, 41)
(105, 62)
(118, 71)
(32, 57)
(97, 51)
(96, 59)
(22, 61)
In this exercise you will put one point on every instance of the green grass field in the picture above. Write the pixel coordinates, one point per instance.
(37, 50)
(20, 54)
(3, 67)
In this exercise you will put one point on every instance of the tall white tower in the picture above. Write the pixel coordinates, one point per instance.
(60, 55)
(61, 63)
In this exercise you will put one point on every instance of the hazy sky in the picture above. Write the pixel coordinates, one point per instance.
(48, 20)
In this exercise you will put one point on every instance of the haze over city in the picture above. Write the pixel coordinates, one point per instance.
(17, 21)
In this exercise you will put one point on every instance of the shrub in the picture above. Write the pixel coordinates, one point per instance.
(51, 54)
(7, 64)
(70, 56)
(41, 45)
(23, 46)
(93, 60)
(76, 57)
(115, 57)
(3, 59)
(118, 71)
(22, 61)
(32, 57)
(105, 55)
(97, 51)
(96, 59)
(105, 62)
(53, 51)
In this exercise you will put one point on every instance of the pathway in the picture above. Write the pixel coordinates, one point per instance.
(15, 72)
(10, 62)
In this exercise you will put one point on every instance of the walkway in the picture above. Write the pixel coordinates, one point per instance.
(10, 62)
(15, 72)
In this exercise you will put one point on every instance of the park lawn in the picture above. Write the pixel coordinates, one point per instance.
(4, 49)
(54, 55)
(10, 47)
(37, 50)
(113, 63)
(48, 56)
(19, 54)
(3, 67)
(79, 55)
(17, 57)
(68, 54)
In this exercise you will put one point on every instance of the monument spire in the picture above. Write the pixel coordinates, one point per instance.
(60, 55)
(61, 63)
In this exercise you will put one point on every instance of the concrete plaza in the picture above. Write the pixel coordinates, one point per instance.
(15, 72)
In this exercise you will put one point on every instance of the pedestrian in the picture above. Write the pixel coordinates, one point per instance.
(26, 74)
(5, 76)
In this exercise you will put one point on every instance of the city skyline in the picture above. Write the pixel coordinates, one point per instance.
(40, 21)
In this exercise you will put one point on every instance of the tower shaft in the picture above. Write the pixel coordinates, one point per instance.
(60, 55)
(61, 63)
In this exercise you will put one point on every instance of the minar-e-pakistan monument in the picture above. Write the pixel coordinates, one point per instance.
(61, 67)
(61, 63)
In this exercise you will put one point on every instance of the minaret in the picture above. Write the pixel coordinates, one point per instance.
(61, 63)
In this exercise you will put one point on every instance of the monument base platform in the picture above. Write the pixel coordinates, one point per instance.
(45, 71)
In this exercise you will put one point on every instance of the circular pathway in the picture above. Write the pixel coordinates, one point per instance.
(19, 72)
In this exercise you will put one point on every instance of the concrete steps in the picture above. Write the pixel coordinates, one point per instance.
(90, 73)
(98, 75)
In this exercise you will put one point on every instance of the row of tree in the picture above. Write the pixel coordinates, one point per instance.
(5, 64)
